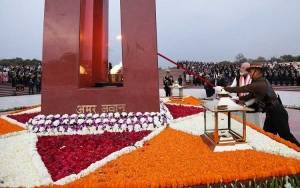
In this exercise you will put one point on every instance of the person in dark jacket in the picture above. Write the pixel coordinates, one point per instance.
(180, 80)
(31, 86)
(168, 81)
(267, 101)
(209, 89)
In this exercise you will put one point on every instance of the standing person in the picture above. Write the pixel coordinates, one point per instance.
(1, 77)
(38, 84)
(5, 76)
(167, 84)
(208, 88)
(180, 80)
(266, 100)
(243, 79)
(31, 86)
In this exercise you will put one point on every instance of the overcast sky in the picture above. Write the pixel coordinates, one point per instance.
(208, 30)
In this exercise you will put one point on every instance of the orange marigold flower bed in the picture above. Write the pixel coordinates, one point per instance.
(6, 127)
(187, 101)
(178, 159)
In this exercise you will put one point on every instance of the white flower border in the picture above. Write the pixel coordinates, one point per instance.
(25, 156)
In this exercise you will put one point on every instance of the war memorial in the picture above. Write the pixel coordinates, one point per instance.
(95, 129)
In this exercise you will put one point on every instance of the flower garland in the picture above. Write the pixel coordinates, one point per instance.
(177, 159)
(96, 123)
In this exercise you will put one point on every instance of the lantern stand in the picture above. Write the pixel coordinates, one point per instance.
(212, 136)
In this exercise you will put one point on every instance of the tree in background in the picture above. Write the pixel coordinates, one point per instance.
(20, 61)
(240, 58)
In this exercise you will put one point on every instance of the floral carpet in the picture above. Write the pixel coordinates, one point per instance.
(151, 149)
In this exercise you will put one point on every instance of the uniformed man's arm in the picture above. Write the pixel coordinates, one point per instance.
(246, 97)
(251, 88)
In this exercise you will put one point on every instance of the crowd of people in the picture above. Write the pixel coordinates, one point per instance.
(20, 76)
(224, 73)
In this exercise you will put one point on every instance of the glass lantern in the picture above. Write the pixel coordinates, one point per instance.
(219, 129)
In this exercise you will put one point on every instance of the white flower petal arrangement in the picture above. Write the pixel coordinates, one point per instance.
(97, 123)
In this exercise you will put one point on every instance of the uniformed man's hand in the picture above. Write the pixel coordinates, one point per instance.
(218, 89)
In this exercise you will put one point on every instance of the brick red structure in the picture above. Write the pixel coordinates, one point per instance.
(75, 57)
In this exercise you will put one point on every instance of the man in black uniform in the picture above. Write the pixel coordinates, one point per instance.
(168, 81)
(267, 101)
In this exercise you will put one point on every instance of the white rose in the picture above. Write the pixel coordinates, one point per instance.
(34, 122)
(128, 121)
(41, 122)
(49, 116)
(150, 119)
(105, 120)
(65, 121)
(56, 123)
(89, 121)
(103, 115)
(143, 120)
(73, 116)
(124, 114)
(39, 116)
(130, 114)
(117, 115)
(65, 116)
(80, 121)
(124, 126)
(137, 127)
(130, 128)
(57, 116)
(113, 120)
(135, 119)
(89, 115)
(153, 113)
(97, 121)
(95, 116)
(145, 126)
(72, 121)
(48, 122)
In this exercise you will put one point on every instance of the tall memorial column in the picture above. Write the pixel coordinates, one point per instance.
(75, 57)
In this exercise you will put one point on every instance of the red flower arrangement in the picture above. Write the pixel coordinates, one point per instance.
(23, 118)
(178, 111)
(66, 155)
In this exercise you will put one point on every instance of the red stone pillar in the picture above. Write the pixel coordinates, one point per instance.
(100, 41)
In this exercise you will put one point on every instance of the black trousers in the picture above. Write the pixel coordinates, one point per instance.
(277, 122)
(168, 91)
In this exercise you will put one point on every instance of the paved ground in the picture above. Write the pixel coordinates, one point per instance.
(19, 101)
